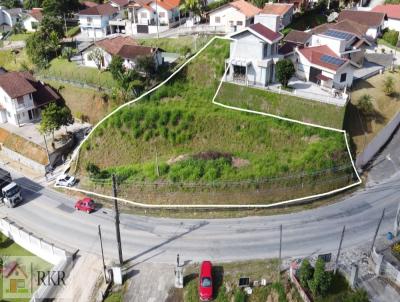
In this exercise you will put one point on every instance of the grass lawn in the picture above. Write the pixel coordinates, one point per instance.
(363, 129)
(226, 277)
(307, 20)
(179, 45)
(178, 137)
(19, 37)
(9, 248)
(61, 68)
(15, 61)
(73, 31)
(86, 104)
(282, 105)
(383, 42)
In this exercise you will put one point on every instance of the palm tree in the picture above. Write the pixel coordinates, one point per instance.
(192, 6)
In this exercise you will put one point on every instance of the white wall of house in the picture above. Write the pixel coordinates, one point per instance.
(229, 17)
(337, 81)
(273, 22)
(89, 63)
(163, 15)
(145, 16)
(94, 26)
(393, 24)
(337, 45)
(30, 24)
(16, 110)
(374, 32)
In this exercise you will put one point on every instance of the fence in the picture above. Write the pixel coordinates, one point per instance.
(384, 267)
(300, 290)
(377, 142)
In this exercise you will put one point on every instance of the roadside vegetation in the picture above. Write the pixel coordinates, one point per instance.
(177, 136)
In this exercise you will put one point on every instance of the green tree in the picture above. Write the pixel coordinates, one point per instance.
(365, 104)
(305, 273)
(191, 6)
(391, 36)
(116, 66)
(59, 7)
(18, 28)
(130, 84)
(259, 3)
(146, 64)
(284, 71)
(53, 117)
(96, 55)
(68, 52)
(10, 3)
(51, 24)
(360, 295)
(321, 281)
(388, 86)
(29, 4)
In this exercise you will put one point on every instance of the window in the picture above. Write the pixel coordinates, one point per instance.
(343, 77)
(239, 23)
(300, 67)
(20, 101)
(34, 25)
(89, 20)
(161, 14)
(217, 19)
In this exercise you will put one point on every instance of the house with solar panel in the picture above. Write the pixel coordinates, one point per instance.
(322, 66)
(253, 55)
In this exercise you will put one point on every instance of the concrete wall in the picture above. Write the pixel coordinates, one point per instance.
(228, 16)
(24, 160)
(377, 143)
(393, 24)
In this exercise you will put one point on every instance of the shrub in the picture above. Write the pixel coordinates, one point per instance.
(321, 281)
(360, 295)
(388, 86)
(284, 71)
(240, 296)
(391, 36)
(92, 169)
(365, 104)
(305, 273)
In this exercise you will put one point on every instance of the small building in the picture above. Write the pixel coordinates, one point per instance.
(283, 10)
(392, 12)
(122, 46)
(321, 65)
(22, 97)
(32, 19)
(94, 21)
(234, 15)
(373, 20)
(253, 55)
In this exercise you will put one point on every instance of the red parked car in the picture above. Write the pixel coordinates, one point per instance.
(86, 204)
(205, 282)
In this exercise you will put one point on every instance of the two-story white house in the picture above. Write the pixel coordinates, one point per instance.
(22, 97)
(283, 10)
(253, 55)
(122, 46)
(94, 21)
(148, 12)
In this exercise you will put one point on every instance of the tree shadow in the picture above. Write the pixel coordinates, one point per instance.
(218, 278)
(190, 277)
(6, 243)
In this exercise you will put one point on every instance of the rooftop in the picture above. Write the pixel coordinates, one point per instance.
(297, 36)
(246, 8)
(276, 8)
(99, 10)
(369, 18)
(265, 32)
(322, 56)
(125, 47)
(391, 10)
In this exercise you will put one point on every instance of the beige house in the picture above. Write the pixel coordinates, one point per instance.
(234, 16)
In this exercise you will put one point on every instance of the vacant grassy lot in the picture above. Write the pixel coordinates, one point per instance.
(86, 104)
(177, 137)
(181, 45)
(282, 105)
(364, 128)
(62, 69)
(15, 61)
(19, 37)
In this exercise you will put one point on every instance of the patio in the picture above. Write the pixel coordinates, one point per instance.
(309, 90)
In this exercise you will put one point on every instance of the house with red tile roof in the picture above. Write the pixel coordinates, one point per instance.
(322, 66)
(373, 20)
(22, 97)
(124, 47)
(253, 55)
(392, 12)
(32, 19)
(284, 12)
(235, 15)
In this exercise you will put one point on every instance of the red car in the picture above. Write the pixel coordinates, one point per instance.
(205, 282)
(86, 204)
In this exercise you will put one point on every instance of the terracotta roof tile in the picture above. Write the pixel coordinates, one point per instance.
(391, 10)
(100, 10)
(134, 51)
(113, 45)
(265, 32)
(372, 19)
(248, 9)
(36, 13)
(15, 85)
(276, 8)
(314, 56)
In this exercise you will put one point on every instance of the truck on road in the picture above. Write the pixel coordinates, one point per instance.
(10, 191)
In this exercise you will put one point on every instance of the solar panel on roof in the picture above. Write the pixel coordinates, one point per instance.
(332, 60)
(338, 34)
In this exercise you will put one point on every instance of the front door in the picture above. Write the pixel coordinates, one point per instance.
(30, 115)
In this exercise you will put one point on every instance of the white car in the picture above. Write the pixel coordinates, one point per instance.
(65, 180)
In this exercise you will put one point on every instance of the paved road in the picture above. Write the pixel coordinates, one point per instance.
(51, 215)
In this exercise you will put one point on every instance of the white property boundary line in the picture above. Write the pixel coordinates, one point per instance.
(163, 206)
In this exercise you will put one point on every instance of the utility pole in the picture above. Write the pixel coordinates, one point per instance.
(157, 167)
(158, 33)
(280, 252)
(338, 252)
(121, 261)
(376, 232)
(102, 254)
